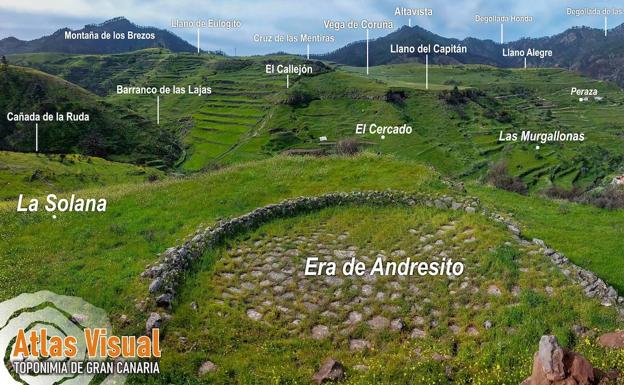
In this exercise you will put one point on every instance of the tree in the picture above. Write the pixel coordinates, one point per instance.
(5, 63)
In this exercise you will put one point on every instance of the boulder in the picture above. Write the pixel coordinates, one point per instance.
(164, 300)
(494, 290)
(320, 332)
(153, 322)
(359, 345)
(155, 285)
(397, 324)
(207, 367)
(379, 323)
(554, 365)
(613, 340)
(254, 315)
(330, 371)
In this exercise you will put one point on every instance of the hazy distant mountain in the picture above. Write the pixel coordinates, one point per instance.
(57, 42)
(581, 49)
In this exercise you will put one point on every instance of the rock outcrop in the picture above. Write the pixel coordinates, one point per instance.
(207, 367)
(330, 371)
(153, 322)
(554, 365)
(613, 340)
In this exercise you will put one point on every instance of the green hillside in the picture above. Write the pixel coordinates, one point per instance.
(457, 129)
(40, 174)
(224, 127)
(112, 131)
(216, 219)
(456, 122)
(99, 257)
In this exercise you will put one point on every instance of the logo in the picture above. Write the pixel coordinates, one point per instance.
(34, 324)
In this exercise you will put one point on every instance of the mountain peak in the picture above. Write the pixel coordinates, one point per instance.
(58, 43)
(116, 21)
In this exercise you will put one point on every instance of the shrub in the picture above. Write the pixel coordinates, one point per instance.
(499, 176)
(299, 98)
(611, 198)
(504, 117)
(557, 192)
(396, 97)
(347, 147)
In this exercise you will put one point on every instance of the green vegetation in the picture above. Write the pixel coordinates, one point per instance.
(589, 236)
(226, 142)
(457, 122)
(276, 351)
(36, 175)
(224, 127)
(100, 256)
(111, 131)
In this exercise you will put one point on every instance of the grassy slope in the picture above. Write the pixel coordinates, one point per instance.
(237, 122)
(36, 175)
(221, 128)
(589, 236)
(244, 119)
(460, 140)
(248, 352)
(99, 256)
(112, 131)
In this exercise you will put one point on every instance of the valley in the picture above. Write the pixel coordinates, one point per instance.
(251, 115)
(405, 209)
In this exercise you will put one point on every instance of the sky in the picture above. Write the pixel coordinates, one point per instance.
(29, 19)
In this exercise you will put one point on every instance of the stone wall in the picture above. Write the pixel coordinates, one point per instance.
(593, 287)
(167, 274)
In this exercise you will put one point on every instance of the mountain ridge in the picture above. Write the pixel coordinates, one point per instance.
(582, 49)
(57, 43)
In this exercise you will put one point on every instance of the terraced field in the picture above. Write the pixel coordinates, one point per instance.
(232, 118)
(220, 128)
(458, 131)
(251, 115)
(214, 126)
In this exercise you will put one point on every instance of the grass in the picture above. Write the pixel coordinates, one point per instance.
(36, 175)
(216, 129)
(246, 118)
(249, 352)
(589, 236)
(111, 131)
(460, 139)
(99, 256)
